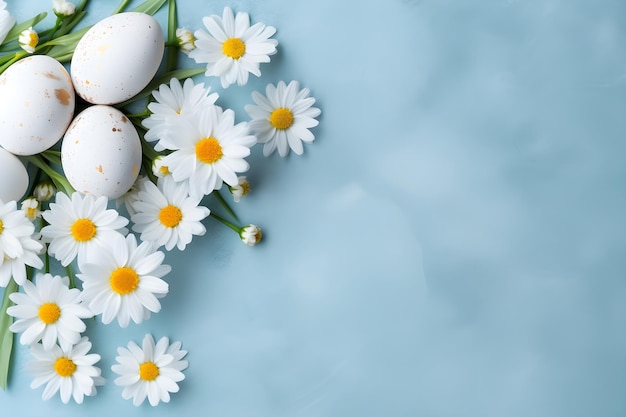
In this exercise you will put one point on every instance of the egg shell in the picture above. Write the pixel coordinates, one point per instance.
(13, 177)
(117, 58)
(101, 152)
(36, 104)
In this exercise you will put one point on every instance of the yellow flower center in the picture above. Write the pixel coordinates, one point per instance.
(281, 118)
(33, 39)
(170, 216)
(148, 371)
(209, 150)
(1, 227)
(124, 280)
(164, 170)
(65, 367)
(234, 48)
(49, 313)
(83, 230)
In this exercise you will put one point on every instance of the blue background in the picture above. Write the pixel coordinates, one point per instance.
(452, 244)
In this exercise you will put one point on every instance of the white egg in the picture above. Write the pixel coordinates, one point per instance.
(101, 152)
(13, 177)
(117, 58)
(36, 105)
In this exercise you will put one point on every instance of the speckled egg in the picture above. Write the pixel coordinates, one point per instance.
(13, 177)
(101, 152)
(117, 58)
(36, 105)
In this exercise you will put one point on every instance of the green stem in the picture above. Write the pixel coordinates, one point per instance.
(70, 275)
(220, 198)
(123, 5)
(226, 223)
(60, 182)
(171, 59)
(6, 336)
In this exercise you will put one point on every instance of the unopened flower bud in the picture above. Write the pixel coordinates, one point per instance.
(251, 235)
(241, 189)
(28, 40)
(44, 191)
(30, 207)
(63, 8)
(158, 169)
(186, 41)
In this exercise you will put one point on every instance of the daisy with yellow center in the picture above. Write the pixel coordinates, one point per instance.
(210, 151)
(71, 371)
(28, 40)
(152, 370)
(17, 246)
(124, 281)
(166, 216)
(232, 48)
(48, 311)
(172, 107)
(282, 118)
(80, 226)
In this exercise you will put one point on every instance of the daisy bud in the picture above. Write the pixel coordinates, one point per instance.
(30, 207)
(28, 40)
(186, 41)
(63, 8)
(251, 235)
(241, 189)
(159, 169)
(44, 191)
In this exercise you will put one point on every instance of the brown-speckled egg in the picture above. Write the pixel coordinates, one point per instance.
(101, 152)
(117, 58)
(36, 105)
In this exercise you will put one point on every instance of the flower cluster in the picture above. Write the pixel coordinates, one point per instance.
(113, 249)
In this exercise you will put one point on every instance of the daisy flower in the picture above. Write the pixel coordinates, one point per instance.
(282, 118)
(251, 234)
(80, 226)
(167, 216)
(210, 152)
(152, 371)
(125, 281)
(70, 371)
(159, 169)
(17, 246)
(173, 105)
(241, 189)
(48, 311)
(186, 41)
(6, 21)
(30, 207)
(28, 40)
(232, 49)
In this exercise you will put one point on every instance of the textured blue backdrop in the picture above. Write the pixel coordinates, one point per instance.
(452, 244)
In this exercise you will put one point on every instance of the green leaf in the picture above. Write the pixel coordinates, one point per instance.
(6, 336)
(149, 6)
(17, 29)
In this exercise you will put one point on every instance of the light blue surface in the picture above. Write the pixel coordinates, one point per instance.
(452, 244)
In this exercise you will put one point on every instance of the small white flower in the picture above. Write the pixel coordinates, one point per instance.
(30, 207)
(152, 370)
(211, 151)
(232, 49)
(44, 191)
(6, 21)
(63, 8)
(48, 311)
(124, 282)
(166, 215)
(173, 106)
(17, 246)
(28, 40)
(251, 235)
(241, 189)
(159, 169)
(282, 118)
(69, 371)
(80, 226)
(186, 41)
